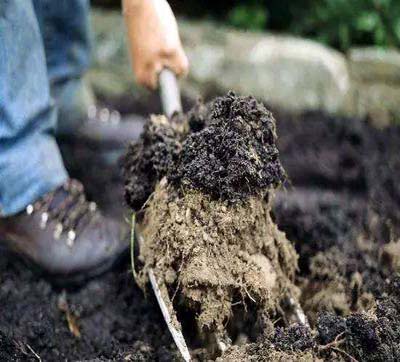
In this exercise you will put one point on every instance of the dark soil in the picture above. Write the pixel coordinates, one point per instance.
(149, 159)
(226, 149)
(317, 219)
(372, 336)
(233, 155)
(367, 337)
(114, 319)
(383, 185)
(11, 350)
(328, 153)
(340, 209)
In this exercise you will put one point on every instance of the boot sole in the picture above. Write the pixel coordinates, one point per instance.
(66, 280)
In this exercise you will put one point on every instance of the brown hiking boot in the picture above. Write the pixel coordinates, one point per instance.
(65, 235)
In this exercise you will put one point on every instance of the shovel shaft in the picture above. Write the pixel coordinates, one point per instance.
(169, 92)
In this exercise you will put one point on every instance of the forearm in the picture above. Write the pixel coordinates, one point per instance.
(131, 6)
(126, 4)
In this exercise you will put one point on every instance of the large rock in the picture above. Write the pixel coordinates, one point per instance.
(372, 64)
(289, 72)
(378, 101)
(375, 75)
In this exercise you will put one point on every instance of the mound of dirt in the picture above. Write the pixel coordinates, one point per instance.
(207, 230)
(215, 254)
(371, 336)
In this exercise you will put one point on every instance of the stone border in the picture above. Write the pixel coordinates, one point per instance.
(291, 73)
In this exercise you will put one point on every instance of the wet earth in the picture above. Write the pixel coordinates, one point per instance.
(340, 208)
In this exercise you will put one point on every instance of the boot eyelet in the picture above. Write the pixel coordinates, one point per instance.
(29, 209)
(92, 206)
(104, 115)
(92, 112)
(115, 117)
(71, 238)
(43, 220)
(58, 231)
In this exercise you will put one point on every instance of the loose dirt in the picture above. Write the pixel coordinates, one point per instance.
(338, 208)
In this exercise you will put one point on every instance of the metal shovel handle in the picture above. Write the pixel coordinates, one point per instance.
(169, 92)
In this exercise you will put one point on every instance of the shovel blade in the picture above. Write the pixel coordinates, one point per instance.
(161, 293)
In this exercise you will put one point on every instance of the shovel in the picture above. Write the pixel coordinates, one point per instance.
(171, 103)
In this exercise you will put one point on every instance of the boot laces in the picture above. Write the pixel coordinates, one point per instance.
(68, 207)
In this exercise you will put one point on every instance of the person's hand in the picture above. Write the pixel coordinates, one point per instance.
(153, 39)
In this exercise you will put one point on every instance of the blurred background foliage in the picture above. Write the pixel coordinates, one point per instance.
(338, 23)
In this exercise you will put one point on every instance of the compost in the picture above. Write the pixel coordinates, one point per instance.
(337, 210)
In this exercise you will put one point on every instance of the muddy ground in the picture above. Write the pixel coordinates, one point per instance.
(341, 211)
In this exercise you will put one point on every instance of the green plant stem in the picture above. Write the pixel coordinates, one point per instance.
(133, 222)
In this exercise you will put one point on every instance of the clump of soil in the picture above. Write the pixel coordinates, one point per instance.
(367, 336)
(294, 343)
(370, 335)
(207, 229)
(254, 352)
(216, 254)
(234, 155)
(335, 285)
(225, 149)
(150, 158)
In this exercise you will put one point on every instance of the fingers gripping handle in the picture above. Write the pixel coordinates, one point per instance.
(169, 92)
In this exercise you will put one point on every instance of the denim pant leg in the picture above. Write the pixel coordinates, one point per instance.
(30, 161)
(64, 25)
(65, 29)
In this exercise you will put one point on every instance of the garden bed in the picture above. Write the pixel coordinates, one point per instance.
(340, 211)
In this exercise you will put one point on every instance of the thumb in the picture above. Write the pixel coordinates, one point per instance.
(178, 62)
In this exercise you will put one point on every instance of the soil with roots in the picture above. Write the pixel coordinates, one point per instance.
(207, 230)
(339, 207)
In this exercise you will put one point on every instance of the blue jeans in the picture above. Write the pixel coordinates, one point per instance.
(44, 46)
